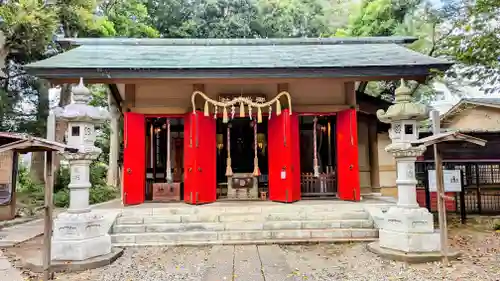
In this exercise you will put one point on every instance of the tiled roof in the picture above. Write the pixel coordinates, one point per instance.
(250, 54)
(491, 101)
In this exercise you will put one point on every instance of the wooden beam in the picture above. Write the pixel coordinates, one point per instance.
(373, 153)
(129, 101)
(47, 231)
(350, 93)
(282, 87)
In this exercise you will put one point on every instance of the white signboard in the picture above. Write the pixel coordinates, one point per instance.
(452, 181)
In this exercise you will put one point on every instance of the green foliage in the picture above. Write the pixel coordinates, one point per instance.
(239, 19)
(29, 193)
(28, 27)
(129, 18)
(474, 42)
(378, 18)
(32, 194)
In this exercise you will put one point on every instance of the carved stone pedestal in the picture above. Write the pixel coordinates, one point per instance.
(79, 237)
(409, 230)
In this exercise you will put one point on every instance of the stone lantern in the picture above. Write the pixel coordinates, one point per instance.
(406, 228)
(79, 233)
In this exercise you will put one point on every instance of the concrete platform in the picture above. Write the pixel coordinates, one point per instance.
(410, 257)
(35, 263)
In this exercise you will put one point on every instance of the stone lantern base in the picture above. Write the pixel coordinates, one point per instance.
(408, 234)
(80, 236)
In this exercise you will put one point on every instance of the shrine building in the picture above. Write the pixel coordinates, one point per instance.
(245, 119)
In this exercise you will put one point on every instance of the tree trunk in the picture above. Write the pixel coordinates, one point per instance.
(38, 158)
(114, 145)
(61, 126)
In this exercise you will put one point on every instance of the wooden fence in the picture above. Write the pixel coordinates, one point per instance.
(324, 185)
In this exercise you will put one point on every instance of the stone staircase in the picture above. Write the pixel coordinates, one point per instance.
(209, 225)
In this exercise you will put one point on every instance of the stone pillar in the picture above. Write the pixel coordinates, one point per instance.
(114, 144)
(406, 228)
(80, 234)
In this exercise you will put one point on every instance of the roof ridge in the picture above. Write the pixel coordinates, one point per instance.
(237, 41)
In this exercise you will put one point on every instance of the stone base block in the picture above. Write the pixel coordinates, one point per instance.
(78, 250)
(35, 263)
(409, 257)
(409, 220)
(409, 241)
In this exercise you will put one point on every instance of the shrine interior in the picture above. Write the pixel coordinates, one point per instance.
(156, 152)
(242, 151)
(325, 183)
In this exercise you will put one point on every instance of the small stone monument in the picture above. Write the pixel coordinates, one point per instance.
(80, 234)
(407, 231)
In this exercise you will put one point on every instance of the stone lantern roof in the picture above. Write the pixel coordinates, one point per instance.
(403, 108)
(80, 110)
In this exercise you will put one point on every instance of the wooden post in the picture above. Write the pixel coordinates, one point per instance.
(47, 233)
(443, 227)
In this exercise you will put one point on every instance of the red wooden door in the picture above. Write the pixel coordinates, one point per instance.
(284, 161)
(348, 185)
(134, 158)
(200, 159)
(188, 160)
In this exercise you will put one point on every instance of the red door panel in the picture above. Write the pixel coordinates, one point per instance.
(347, 156)
(206, 161)
(189, 178)
(295, 153)
(199, 159)
(284, 162)
(134, 158)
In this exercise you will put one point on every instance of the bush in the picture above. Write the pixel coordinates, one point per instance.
(61, 198)
(99, 194)
(33, 194)
(62, 178)
(29, 192)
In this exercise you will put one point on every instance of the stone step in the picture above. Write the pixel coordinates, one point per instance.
(227, 226)
(210, 209)
(243, 217)
(244, 237)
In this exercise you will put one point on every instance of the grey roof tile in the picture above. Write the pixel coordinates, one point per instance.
(234, 56)
(492, 101)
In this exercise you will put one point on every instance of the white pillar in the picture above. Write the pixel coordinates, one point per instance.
(114, 145)
(79, 185)
(406, 182)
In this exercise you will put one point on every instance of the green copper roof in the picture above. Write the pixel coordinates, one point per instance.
(234, 58)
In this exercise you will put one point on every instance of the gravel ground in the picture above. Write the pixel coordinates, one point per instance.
(480, 261)
(346, 262)
(150, 264)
